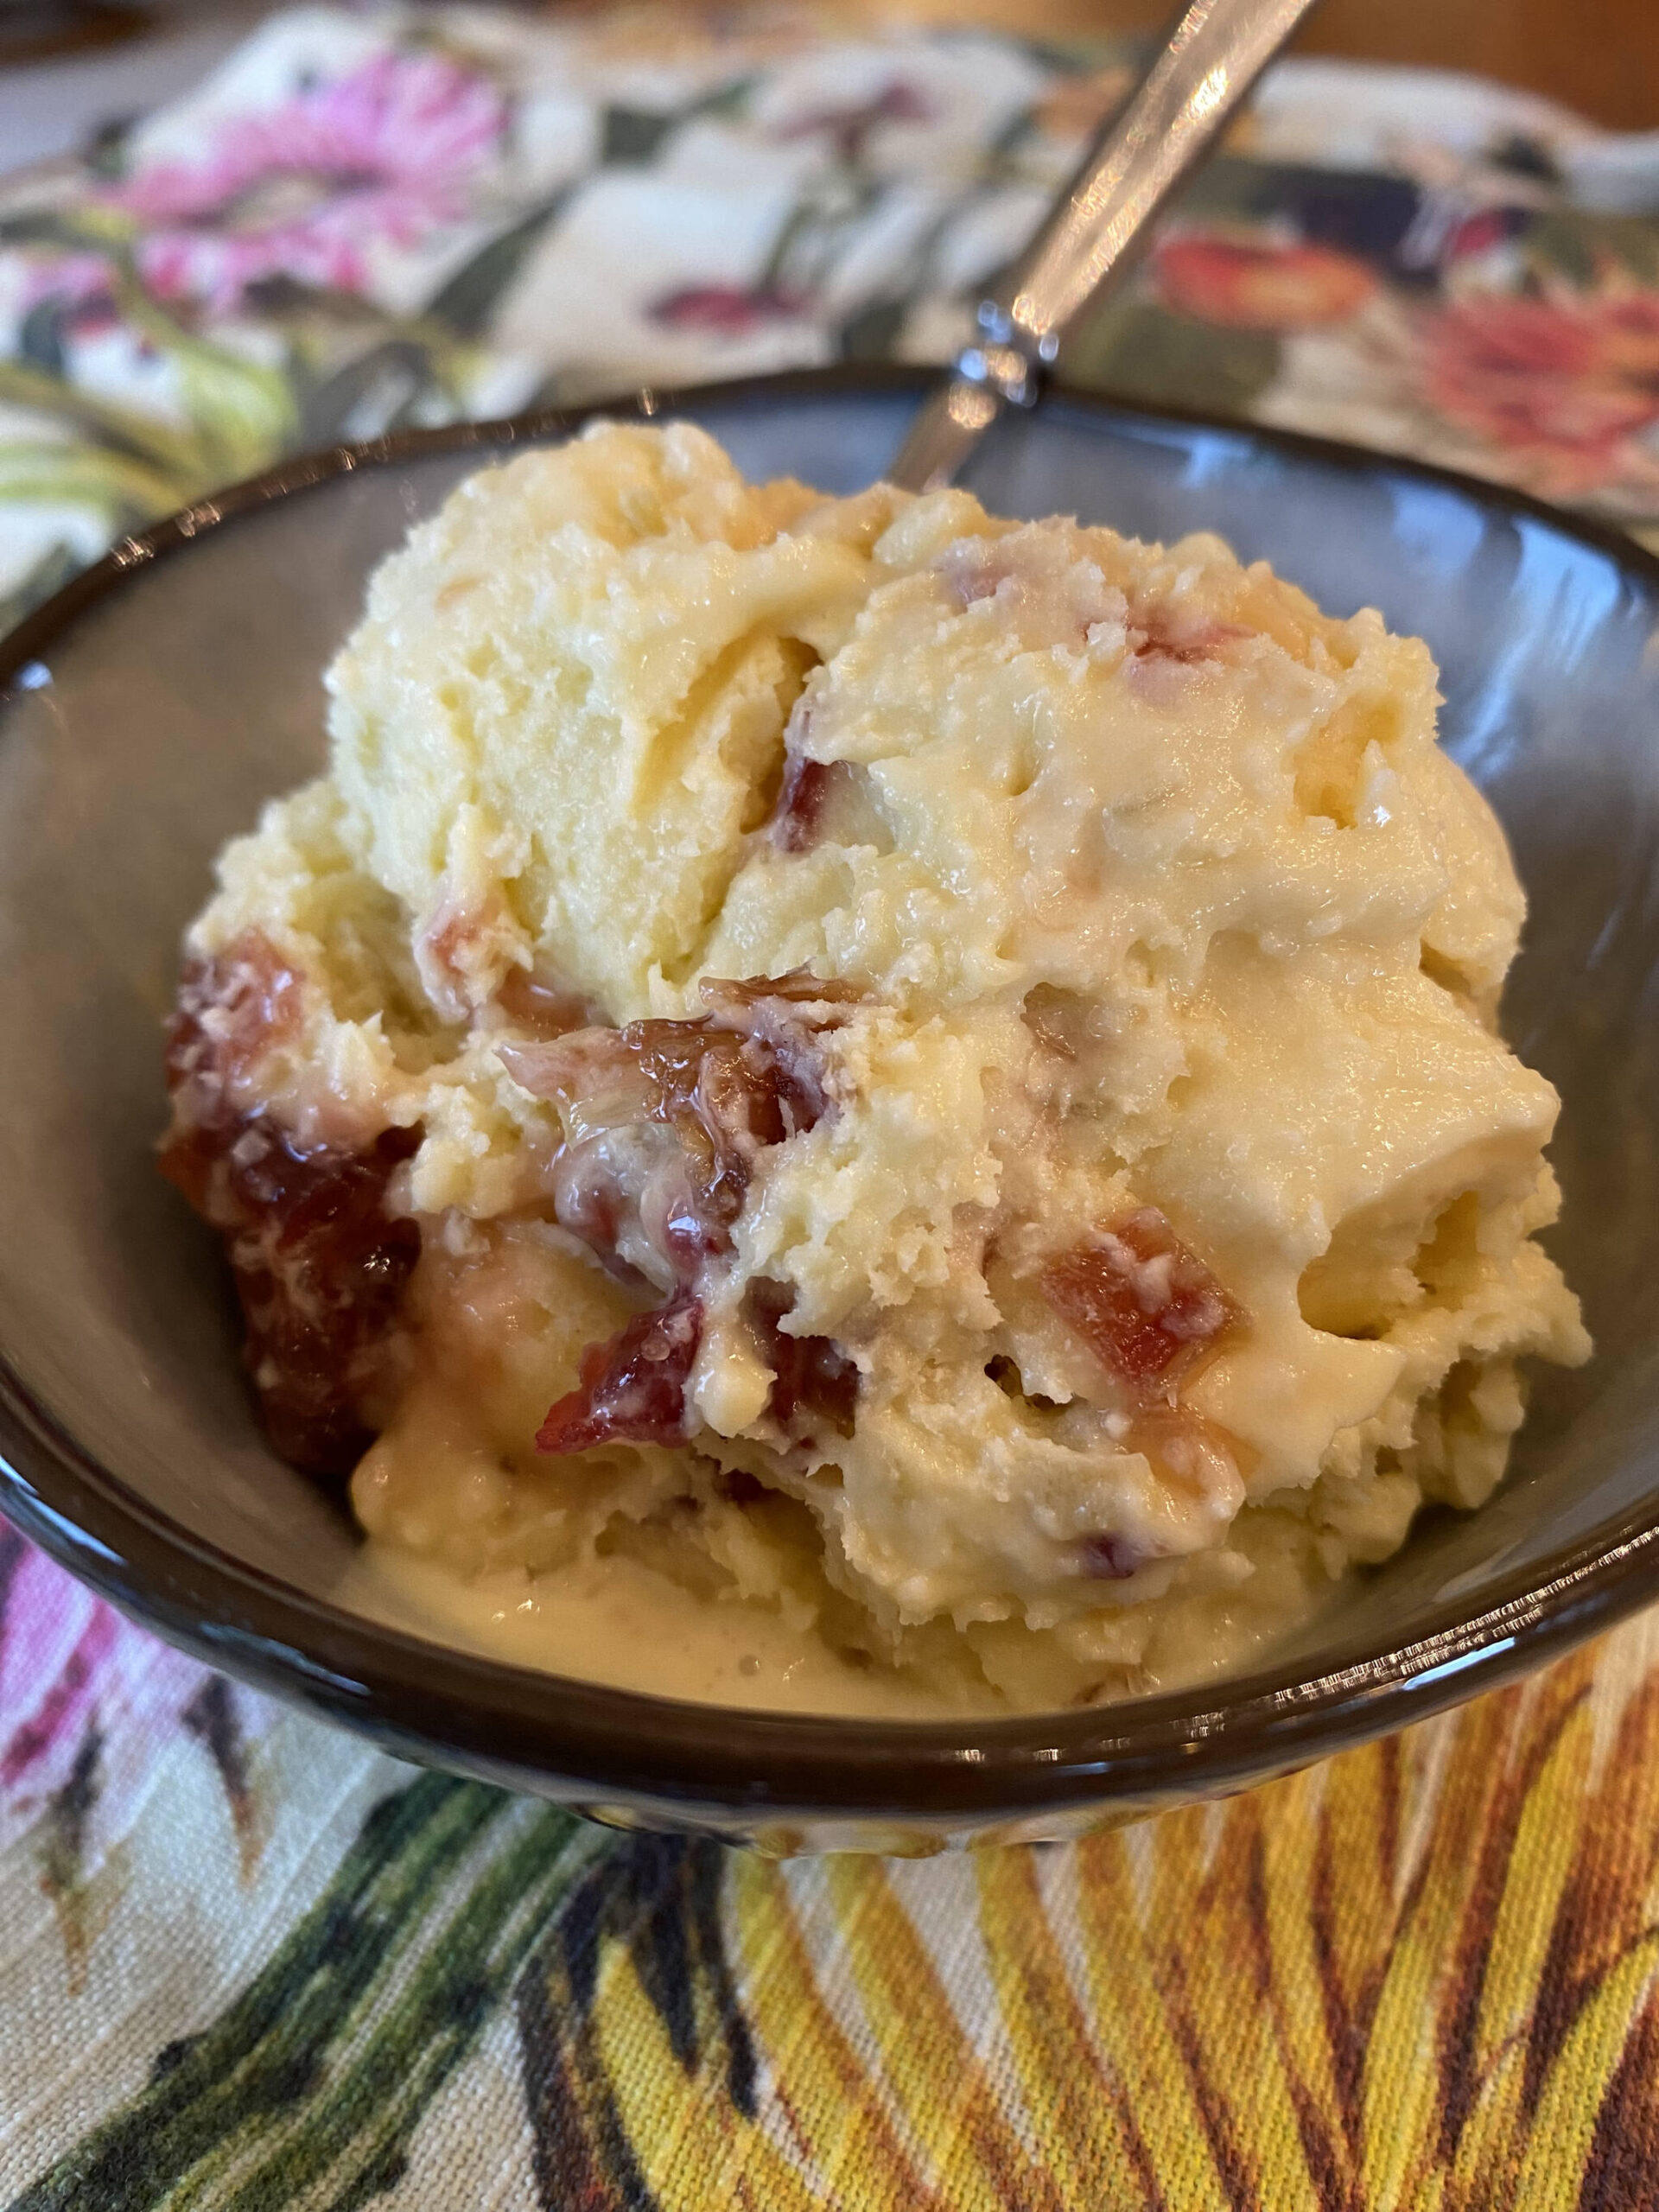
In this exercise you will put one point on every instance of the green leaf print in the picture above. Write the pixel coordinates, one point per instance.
(1136, 350)
(106, 424)
(468, 299)
(306, 2091)
(1586, 248)
(49, 472)
(50, 573)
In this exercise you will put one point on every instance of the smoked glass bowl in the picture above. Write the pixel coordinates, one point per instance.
(152, 706)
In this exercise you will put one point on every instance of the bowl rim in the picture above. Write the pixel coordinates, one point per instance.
(587, 1738)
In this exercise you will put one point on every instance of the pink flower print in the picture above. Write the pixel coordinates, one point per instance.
(80, 281)
(1567, 385)
(50, 302)
(88, 1704)
(382, 156)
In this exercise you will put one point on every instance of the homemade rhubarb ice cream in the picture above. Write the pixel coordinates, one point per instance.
(847, 1102)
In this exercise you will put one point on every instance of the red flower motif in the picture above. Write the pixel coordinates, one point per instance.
(848, 127)
(1479, 233)
(1567, 384)
(727, 310)
(1259, 287)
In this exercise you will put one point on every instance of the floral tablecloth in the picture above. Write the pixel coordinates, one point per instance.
(246, 1961)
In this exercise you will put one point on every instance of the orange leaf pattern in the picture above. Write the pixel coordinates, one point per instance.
(1421, 1975)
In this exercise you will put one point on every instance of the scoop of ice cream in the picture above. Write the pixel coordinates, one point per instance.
(1013, 1007)
(565, 706)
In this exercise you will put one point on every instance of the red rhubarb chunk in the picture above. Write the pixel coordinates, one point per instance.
(735, 1000)
(1111, 1559)
(729, 1084)
(1148, 1308)
(231, 1011)
(321, 1270)
(820, 802)
(544, 1009)
(632, 1389)
(800, 803)
(815, 1385)
(320, 1266)
(1180, 634)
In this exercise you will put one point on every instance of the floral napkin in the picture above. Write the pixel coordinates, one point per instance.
(367, 219)
(247, 1962)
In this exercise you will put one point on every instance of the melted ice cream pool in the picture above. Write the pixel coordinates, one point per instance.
(620, 1623)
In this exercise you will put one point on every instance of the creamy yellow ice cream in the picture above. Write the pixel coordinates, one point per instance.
(950, 1070)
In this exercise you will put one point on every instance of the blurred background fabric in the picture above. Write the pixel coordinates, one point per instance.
(357, 220)
(249, 1961)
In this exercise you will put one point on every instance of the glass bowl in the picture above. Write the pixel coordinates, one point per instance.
(153, 705)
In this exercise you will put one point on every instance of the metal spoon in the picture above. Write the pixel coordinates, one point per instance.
(1214, 55)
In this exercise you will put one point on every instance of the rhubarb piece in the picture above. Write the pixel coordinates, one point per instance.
(815, 1384)
(1111, 1559)
(1179, 633)
(632, 1389)
(801, 802)
(544, 1009)
(231, 1011)
(820, 800)
(725, 1085)
(1148, 1308)
(320, 1267)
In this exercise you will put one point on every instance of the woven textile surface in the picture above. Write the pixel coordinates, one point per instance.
(248, 1962)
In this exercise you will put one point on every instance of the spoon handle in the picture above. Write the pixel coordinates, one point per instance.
(1214, 55)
